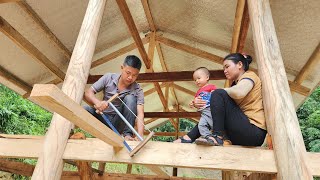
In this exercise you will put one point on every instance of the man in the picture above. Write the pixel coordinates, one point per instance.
(129, 91)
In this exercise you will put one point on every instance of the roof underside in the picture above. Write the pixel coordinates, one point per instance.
(205, 24)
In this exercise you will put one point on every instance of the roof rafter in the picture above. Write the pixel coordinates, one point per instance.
(14, 80)
(206, 55)
(29, 48)
(25, 6)
(118, 53)
(133, 30)
(307, 68)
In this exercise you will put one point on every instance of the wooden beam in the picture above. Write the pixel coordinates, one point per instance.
(133, 30)
(50, 164)
(35, 17)
(166, 76)
(299, 89)
(14, 80)
(309, 66)
(189, 156)
(29, 48)
(118, 53)
(147, 11)
(237, 25)
(8, 1)
(119, 176)
(244, 28)
(158, 171)
(191, 50)
(152, 90)
(171, 114)
(150, 121)
(52, 98)
(16, 167)
(180, 88)
(282, 122)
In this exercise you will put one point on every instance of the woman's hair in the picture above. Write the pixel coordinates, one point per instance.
(236, 57)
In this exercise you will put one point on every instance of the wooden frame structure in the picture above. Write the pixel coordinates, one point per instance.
(288, 160)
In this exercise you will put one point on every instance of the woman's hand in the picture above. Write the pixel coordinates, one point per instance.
(199, 103)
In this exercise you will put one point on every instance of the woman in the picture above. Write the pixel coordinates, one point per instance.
(237, 111)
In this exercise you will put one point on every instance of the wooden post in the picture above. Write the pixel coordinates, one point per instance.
(50, 162)
(280, 113)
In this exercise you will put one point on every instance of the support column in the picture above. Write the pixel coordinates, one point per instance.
(282, 122)
(50, 163)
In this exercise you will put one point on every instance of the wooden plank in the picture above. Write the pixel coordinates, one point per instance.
(237, 25)
(14, 80)
(191, 50)
(52, 98)
(152, 90)
(309, 66)
(150, 121)
(113, 176)
(166, 76)
(280, 113)
(50, 164)
(133, 30)
(171, 114)
(299, 89)
(29, 48)
(118, 53)
(175, 155)
(28, 9)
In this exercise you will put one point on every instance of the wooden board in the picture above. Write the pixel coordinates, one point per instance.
(167, 154)
(52, 98)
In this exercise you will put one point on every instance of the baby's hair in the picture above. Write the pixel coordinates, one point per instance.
(203, 69)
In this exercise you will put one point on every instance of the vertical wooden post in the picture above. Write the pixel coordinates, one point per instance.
(280, 113)
(50, 163)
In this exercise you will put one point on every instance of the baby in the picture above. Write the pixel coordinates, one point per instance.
(201, 78)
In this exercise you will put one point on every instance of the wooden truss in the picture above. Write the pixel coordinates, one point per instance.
(289, 158)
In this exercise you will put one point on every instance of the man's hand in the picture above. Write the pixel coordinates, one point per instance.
(101, 106)
(199, 103)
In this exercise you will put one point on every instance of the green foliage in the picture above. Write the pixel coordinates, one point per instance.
(309, 119)
(20, 116)
(184, 125)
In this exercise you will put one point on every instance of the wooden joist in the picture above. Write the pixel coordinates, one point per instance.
(282, 122)
(133, 30)
(172, 154)
(166, 76)
(29, 48)
(52, 98)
